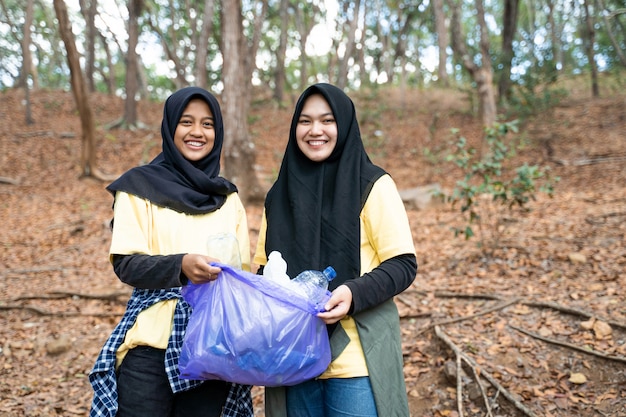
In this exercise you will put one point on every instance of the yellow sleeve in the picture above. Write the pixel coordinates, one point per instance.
(131, 225)
(385, 222)
(260, 257)
(243, 237)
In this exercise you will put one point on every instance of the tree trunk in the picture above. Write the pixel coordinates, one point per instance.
(108, 76)
(360, 52)
(279, 73)
(400, 51)
(239, 153)
(27, 59)
(304, 28)
(442, 42)
(89, 9)
(508, 34)
(27, 62)
(251, 50)
(132, 64)
(589, 41)
(81, 96)
(555, 44)
(203, 44)
(482, 75)
(342, 73)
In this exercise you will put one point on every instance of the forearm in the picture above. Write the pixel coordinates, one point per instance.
(150, 272)
(387, 280)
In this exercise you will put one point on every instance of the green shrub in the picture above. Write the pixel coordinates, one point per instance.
(490, 192)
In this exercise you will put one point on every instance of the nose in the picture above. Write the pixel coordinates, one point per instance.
(196, 129)
(316, 128)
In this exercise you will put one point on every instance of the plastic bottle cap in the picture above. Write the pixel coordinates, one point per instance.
(330, 273)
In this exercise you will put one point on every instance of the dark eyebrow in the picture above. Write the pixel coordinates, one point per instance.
(204, 118)
(330, 113)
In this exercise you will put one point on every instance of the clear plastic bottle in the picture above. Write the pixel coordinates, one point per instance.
(225, 247)
(315, 283)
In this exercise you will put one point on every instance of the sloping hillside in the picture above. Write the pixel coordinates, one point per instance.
(546, 309)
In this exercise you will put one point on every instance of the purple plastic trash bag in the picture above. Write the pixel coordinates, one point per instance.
(249, 329)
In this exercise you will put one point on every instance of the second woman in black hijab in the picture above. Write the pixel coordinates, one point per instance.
(332, 206)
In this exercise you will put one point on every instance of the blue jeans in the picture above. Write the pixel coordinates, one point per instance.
(336, 397)
(144, 390)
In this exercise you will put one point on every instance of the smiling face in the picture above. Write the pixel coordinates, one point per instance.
(316, 131)
(195, 133)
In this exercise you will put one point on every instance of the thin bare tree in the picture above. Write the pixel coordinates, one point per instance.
(350, 43)
(508, 34)
(442, 42)
(132, 64)
(89, 9)
(481, 74)
(239, 152)
(279, 73)
(81, 96)
(27, 61)
(589, 40)
(206, 30)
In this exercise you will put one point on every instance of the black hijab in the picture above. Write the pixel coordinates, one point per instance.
(313, 207)
(171, 180)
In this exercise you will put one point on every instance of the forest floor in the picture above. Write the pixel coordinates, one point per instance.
(540, 321)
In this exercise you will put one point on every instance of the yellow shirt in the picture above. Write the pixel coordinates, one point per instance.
(385, 233)
(141, 227)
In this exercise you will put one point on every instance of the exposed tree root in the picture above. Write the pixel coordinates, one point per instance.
(7, 180)
(572, 311)
(530, 303)
(42, 312)
(56, 295)
(505, 304)
(479, 372)
(568, 345)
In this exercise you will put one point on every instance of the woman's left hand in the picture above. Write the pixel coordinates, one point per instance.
(338, 305)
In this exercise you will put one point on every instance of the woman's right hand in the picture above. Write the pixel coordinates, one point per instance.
(197, 269)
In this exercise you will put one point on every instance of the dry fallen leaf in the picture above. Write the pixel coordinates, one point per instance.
(602, 329)
(545, 332)
(577, 258)
(588, 325)
(577, 378)
(413, 393)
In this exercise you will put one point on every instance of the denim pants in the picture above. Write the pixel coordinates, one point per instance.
(336, 397)
(144, 390)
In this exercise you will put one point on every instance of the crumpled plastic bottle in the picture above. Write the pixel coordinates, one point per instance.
(315, 283)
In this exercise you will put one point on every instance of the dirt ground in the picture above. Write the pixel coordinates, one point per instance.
(541, 323)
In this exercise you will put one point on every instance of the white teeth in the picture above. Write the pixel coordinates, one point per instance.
(316, 142)
(195, 143)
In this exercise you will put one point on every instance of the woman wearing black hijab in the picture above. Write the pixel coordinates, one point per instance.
(331, 206)
(164, 214)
